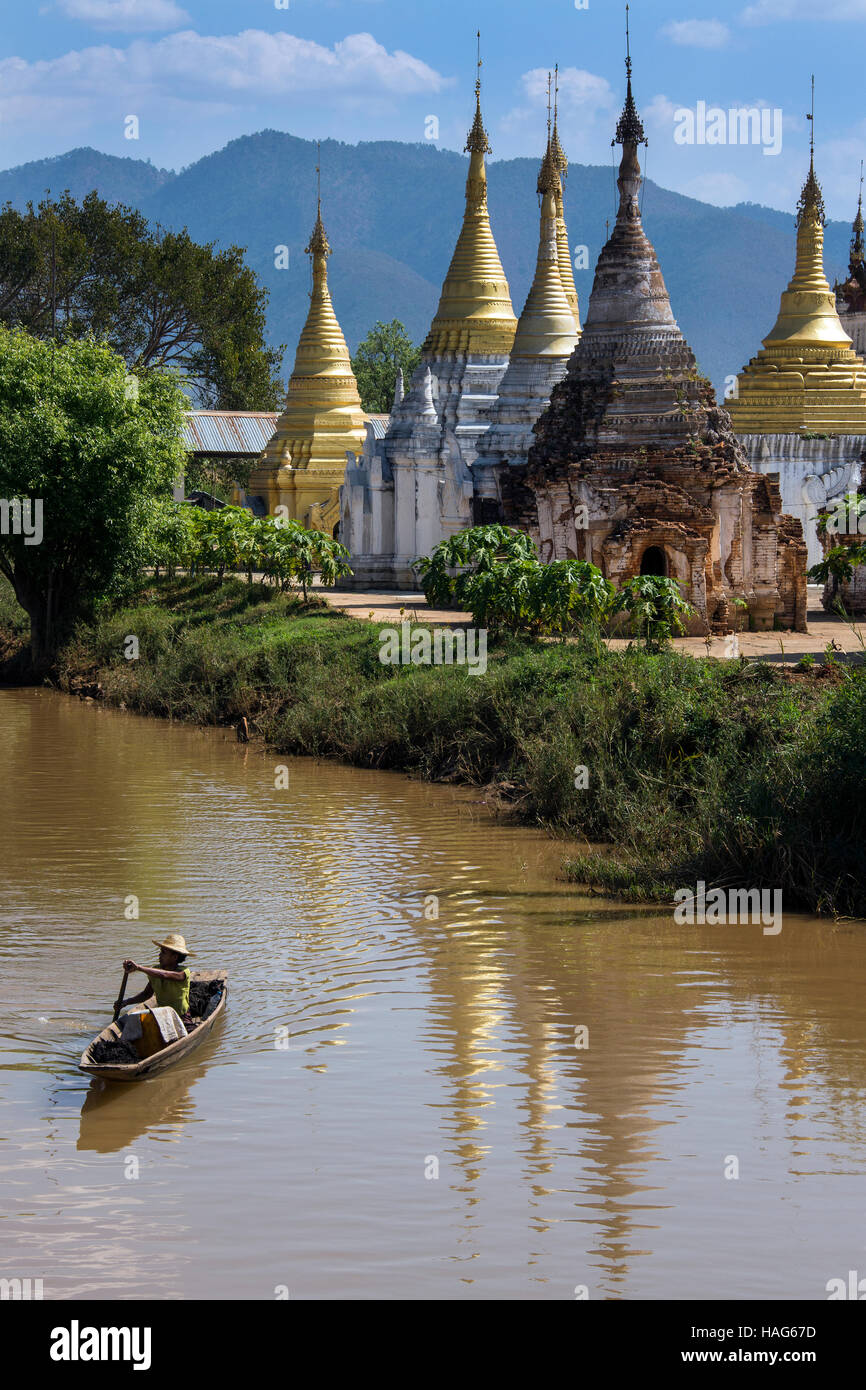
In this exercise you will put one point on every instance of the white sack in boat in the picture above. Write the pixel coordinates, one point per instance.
(169, 1023)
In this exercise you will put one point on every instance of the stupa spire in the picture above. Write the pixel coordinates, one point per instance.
(322, 349)
(305, 460)
(629, 291)
(475, 313)
(808, 315)
(557, 154)
(546, 327)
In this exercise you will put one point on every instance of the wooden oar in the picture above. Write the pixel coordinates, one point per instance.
(119, 1001)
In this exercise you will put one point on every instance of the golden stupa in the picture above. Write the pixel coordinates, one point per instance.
(807, 379)
(475, 313)
(566, 270)
(546, 327)
(304, 464)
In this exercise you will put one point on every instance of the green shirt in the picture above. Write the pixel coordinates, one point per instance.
(173, 994)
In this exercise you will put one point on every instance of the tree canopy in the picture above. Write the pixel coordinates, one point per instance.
(386, 350)
(156, 297)
(84, 450)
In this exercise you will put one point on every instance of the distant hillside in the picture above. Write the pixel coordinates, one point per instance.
(127, 181)
(393, 212)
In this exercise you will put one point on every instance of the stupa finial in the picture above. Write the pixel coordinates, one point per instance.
(558, 151)
(478, 143)
(548, 174)
(318, 244)
(858, 247)
(630, 129)
(549, 87)
(810, 208)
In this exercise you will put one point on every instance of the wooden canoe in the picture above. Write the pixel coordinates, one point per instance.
(131, 1071)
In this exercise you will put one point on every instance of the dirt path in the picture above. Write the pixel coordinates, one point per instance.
(391, 609)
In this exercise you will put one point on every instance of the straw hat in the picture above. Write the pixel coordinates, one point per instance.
(174, 942)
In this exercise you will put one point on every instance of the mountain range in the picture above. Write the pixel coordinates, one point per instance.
(393, 212)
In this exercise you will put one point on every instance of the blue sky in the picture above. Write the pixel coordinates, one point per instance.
(198, 73)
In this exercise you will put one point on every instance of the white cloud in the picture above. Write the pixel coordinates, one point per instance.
(584, 100)
(697, 33)
(768, 11)
(192, 68)
(659, 114)
(722, 189)
(578, 90)
(126, 16)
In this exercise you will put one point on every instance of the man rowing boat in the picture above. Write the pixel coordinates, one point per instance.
(169, 981)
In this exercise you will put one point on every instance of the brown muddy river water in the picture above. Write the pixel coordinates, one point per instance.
(431, 1129)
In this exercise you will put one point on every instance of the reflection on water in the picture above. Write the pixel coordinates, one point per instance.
(526, 1092)
(115, 1113)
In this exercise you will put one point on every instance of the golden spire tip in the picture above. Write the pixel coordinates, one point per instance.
(478, 142)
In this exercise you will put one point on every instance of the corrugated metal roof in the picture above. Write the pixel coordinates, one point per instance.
(239, 432)
(380, 425)
(234, 432)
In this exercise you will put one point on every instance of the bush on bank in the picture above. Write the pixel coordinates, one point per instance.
(733, 772)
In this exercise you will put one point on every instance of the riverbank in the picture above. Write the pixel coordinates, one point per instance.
(732, 772)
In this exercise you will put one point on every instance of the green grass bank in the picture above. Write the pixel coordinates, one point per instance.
(736, 773)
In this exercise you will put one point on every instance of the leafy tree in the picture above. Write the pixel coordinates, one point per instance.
(170, 538)
(89, 453)
(656, 609)
(478, 550)
(570, 593)
(494, 572)
(290, 552)
(386, 350)
(158, 298)
(180, 535)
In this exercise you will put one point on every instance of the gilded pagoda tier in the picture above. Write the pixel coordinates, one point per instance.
(475, 313)
(566, 270)
(807, 377)
(305, 460)
(546, 327)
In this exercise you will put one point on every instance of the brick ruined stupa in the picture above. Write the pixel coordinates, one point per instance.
(635, 466)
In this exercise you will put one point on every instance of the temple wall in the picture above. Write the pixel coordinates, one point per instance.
(855, 327)
(812, 472)
(415, 487)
